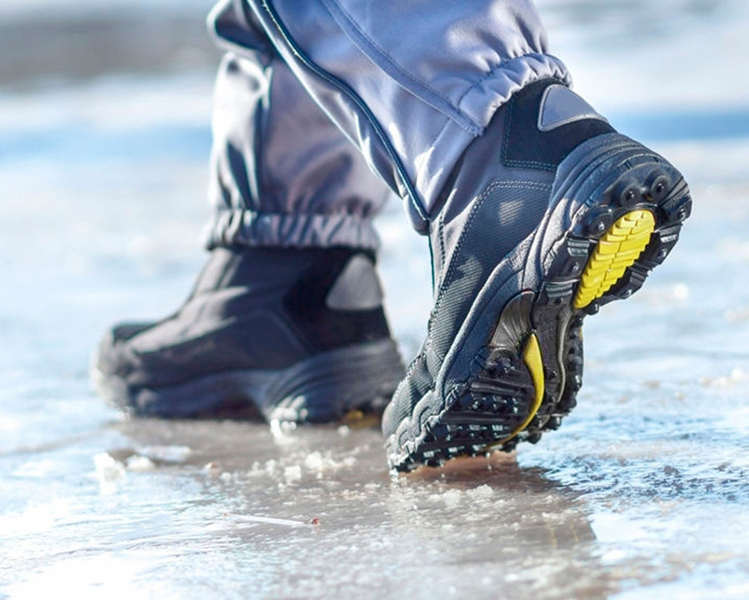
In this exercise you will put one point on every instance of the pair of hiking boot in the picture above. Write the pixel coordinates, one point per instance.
(548, 215)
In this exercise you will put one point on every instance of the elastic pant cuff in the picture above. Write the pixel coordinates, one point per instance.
(486, 96)
(250, 228)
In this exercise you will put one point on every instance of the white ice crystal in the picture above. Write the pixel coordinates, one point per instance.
(292, 474)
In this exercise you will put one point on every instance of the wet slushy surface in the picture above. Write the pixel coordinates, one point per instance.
(642, 493)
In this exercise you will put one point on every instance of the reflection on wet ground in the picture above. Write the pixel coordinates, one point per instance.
(300, 514)
(643, 493)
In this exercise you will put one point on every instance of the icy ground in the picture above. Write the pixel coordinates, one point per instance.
(643, 493)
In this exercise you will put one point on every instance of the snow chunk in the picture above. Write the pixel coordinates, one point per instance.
(292, 474)
(315, 462)
(452, 498)
(109, 472)
(171, 454)
(482, 492)
(318, 462)
(139, 463)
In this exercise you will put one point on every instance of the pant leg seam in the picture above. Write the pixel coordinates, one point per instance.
(389, 65)
(307, 62)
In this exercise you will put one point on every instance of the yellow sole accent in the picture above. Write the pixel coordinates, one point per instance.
(616, 251)
(534, 363)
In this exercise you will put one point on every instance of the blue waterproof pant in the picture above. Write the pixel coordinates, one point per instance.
(318, 102)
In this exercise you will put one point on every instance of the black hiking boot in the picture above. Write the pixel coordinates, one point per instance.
(549, 215)
(289, 334)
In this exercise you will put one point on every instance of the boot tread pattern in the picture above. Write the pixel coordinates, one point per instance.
(615, 252)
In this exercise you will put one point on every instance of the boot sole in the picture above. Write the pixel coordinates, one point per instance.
(526, 377)
(328, 387)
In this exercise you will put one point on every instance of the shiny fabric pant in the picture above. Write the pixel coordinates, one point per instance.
(325, 108)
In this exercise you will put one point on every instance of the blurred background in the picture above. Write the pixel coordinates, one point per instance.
(104, 142)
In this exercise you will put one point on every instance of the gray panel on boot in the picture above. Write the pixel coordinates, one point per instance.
(357, 287)
(560, 106)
